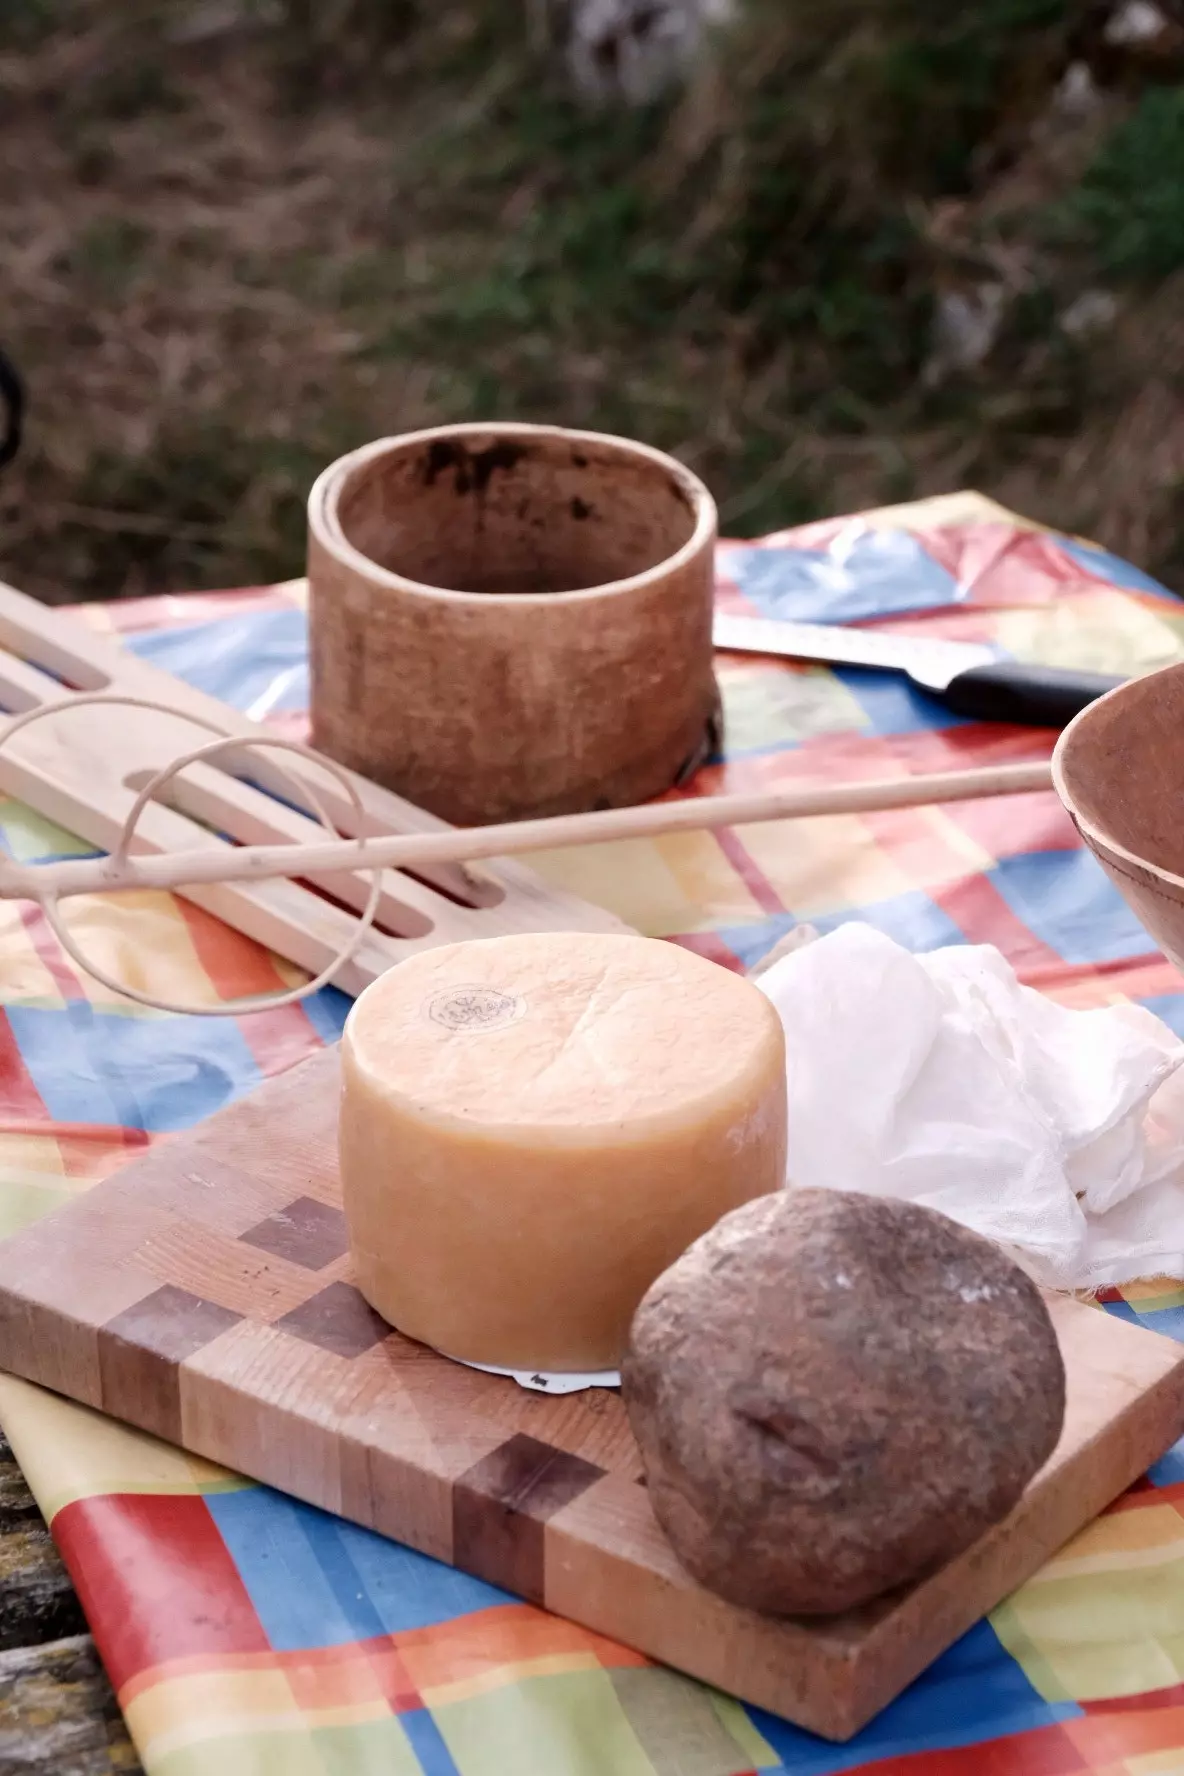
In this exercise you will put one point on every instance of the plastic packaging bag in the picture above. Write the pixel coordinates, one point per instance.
(939, 1078)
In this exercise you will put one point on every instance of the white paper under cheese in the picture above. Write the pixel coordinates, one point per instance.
(533, 1127)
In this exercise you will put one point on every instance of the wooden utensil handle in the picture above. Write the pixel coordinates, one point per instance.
(463, 845)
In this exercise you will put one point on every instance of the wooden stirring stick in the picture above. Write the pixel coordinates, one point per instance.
(464, 845)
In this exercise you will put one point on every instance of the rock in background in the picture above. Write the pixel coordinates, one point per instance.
(630, 51)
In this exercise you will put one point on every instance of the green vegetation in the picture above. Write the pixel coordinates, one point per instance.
(1130, 203)
(236, 243)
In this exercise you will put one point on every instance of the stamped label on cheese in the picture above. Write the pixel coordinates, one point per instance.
(473, 1010)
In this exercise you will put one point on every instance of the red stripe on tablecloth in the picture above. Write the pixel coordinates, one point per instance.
(319, 1677)
(85, 1150)
(237, 966)
(749, 872)
(984, 917)
(713, 948)
(1044, 1751)
(1144, 1492)
(711, 781)
(921, 844)
(278, 1039)
(176, 610)
(290, 724)
(495, 1642)
(104, 1133)
(1000, 566)
(1011, 826)
(1088, 984)
(971, 746)
(1146, 1702)
(49, 951)
(156, 1581)
(18, 1094)
(854, 756)
(1106, 1733)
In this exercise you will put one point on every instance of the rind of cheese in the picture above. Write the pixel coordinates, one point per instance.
(534, 1127)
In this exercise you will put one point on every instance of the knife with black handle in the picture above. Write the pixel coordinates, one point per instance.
(969, 678)
(1030, 696)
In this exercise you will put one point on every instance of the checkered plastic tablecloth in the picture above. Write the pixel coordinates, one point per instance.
(252, 1636)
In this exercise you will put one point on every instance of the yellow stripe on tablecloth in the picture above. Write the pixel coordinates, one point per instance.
(69, 1453)
(1120, 1559)
(1153, 1763)
(540, 1726)
(69, 1156)
(24, 978)
(1092, 631)
(737, 1721)
(766, 706)
(369, 1748)
(28, 835)
(682, 882)
(824, 866)
(1153, 1294)
(142, 939)
(836, 863)
(26, 1196)
(1104, 1618)
(33, 1155)
(193, 1709)
(1125, 1537)
(552, 1665)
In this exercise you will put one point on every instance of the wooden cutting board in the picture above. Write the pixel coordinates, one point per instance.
(204, 1294)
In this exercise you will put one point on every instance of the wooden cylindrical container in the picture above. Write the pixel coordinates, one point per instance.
(512, 620)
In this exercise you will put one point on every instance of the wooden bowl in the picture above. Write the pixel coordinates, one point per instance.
(512, 620)
(1119, 769)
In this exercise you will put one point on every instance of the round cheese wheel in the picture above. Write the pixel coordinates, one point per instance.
(534, 1127)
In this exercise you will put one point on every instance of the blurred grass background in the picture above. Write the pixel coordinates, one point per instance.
(870, 250)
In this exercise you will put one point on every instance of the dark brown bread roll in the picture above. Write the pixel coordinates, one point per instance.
(835, 1394)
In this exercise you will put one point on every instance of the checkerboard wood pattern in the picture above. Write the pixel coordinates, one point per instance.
(205, 1294)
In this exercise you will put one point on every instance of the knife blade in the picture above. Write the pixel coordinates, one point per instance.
(970, 678)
